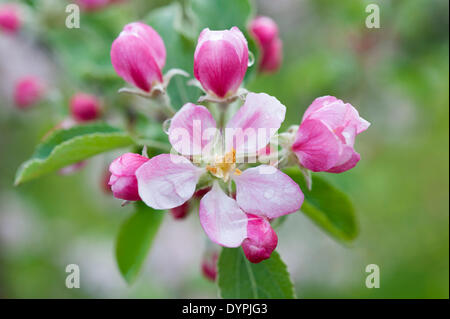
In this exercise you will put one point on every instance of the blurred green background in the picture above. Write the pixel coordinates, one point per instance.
(397, 77)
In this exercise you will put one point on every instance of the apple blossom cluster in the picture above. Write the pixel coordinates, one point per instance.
(231, 161)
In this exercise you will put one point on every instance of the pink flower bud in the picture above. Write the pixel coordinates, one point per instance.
(138, 55)
(28, 91)
(209, 266)
(265, 31)
(325, 138)
(221, 60)
(123, 179)
(261, 239)
(181, 211)
(9, 18)
(85, 107)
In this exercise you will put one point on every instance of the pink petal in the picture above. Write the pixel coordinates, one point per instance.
(167, 181)
(187, 129)
(349, 164)
(124, 187)
(318, 103)
(222, 219)
(127, 164)
(316, 146)
(261, 239)
(266, 191)
(254, 123)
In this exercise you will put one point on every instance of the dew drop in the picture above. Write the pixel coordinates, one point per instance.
(251, 59)
(166, 125)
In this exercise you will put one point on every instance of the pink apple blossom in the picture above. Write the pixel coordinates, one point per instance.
(28, 91)
(85, 107)
(265, 31)
(9, 18)
(123, 180)
(261, 239)
(138, 55)
(168, 180)
(220, 61)
(326, 136)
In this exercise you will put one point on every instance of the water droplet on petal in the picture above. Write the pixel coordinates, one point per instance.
(166, 125)
(251, 59)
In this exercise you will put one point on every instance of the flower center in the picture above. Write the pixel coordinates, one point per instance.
(224, 166)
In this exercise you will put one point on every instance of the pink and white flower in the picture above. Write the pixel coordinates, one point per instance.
(123, 179)
(326, 136)
(220, 61)
(9, 18)
(138, 55)
(168, 180)
(265, 31)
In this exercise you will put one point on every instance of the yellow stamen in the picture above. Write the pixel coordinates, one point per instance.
(224, 166)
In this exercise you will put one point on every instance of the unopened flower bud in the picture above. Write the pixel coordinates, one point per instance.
(123, 179)
(138, 55)
(28, 91)
(220, 61)
(326, 136)
(85, 107)
(261, 239)
(265, 31)
(9, 18)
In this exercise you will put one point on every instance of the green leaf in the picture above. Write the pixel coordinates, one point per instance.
(327, 206)
(239, 278)
(68, 146)
(135, 239)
